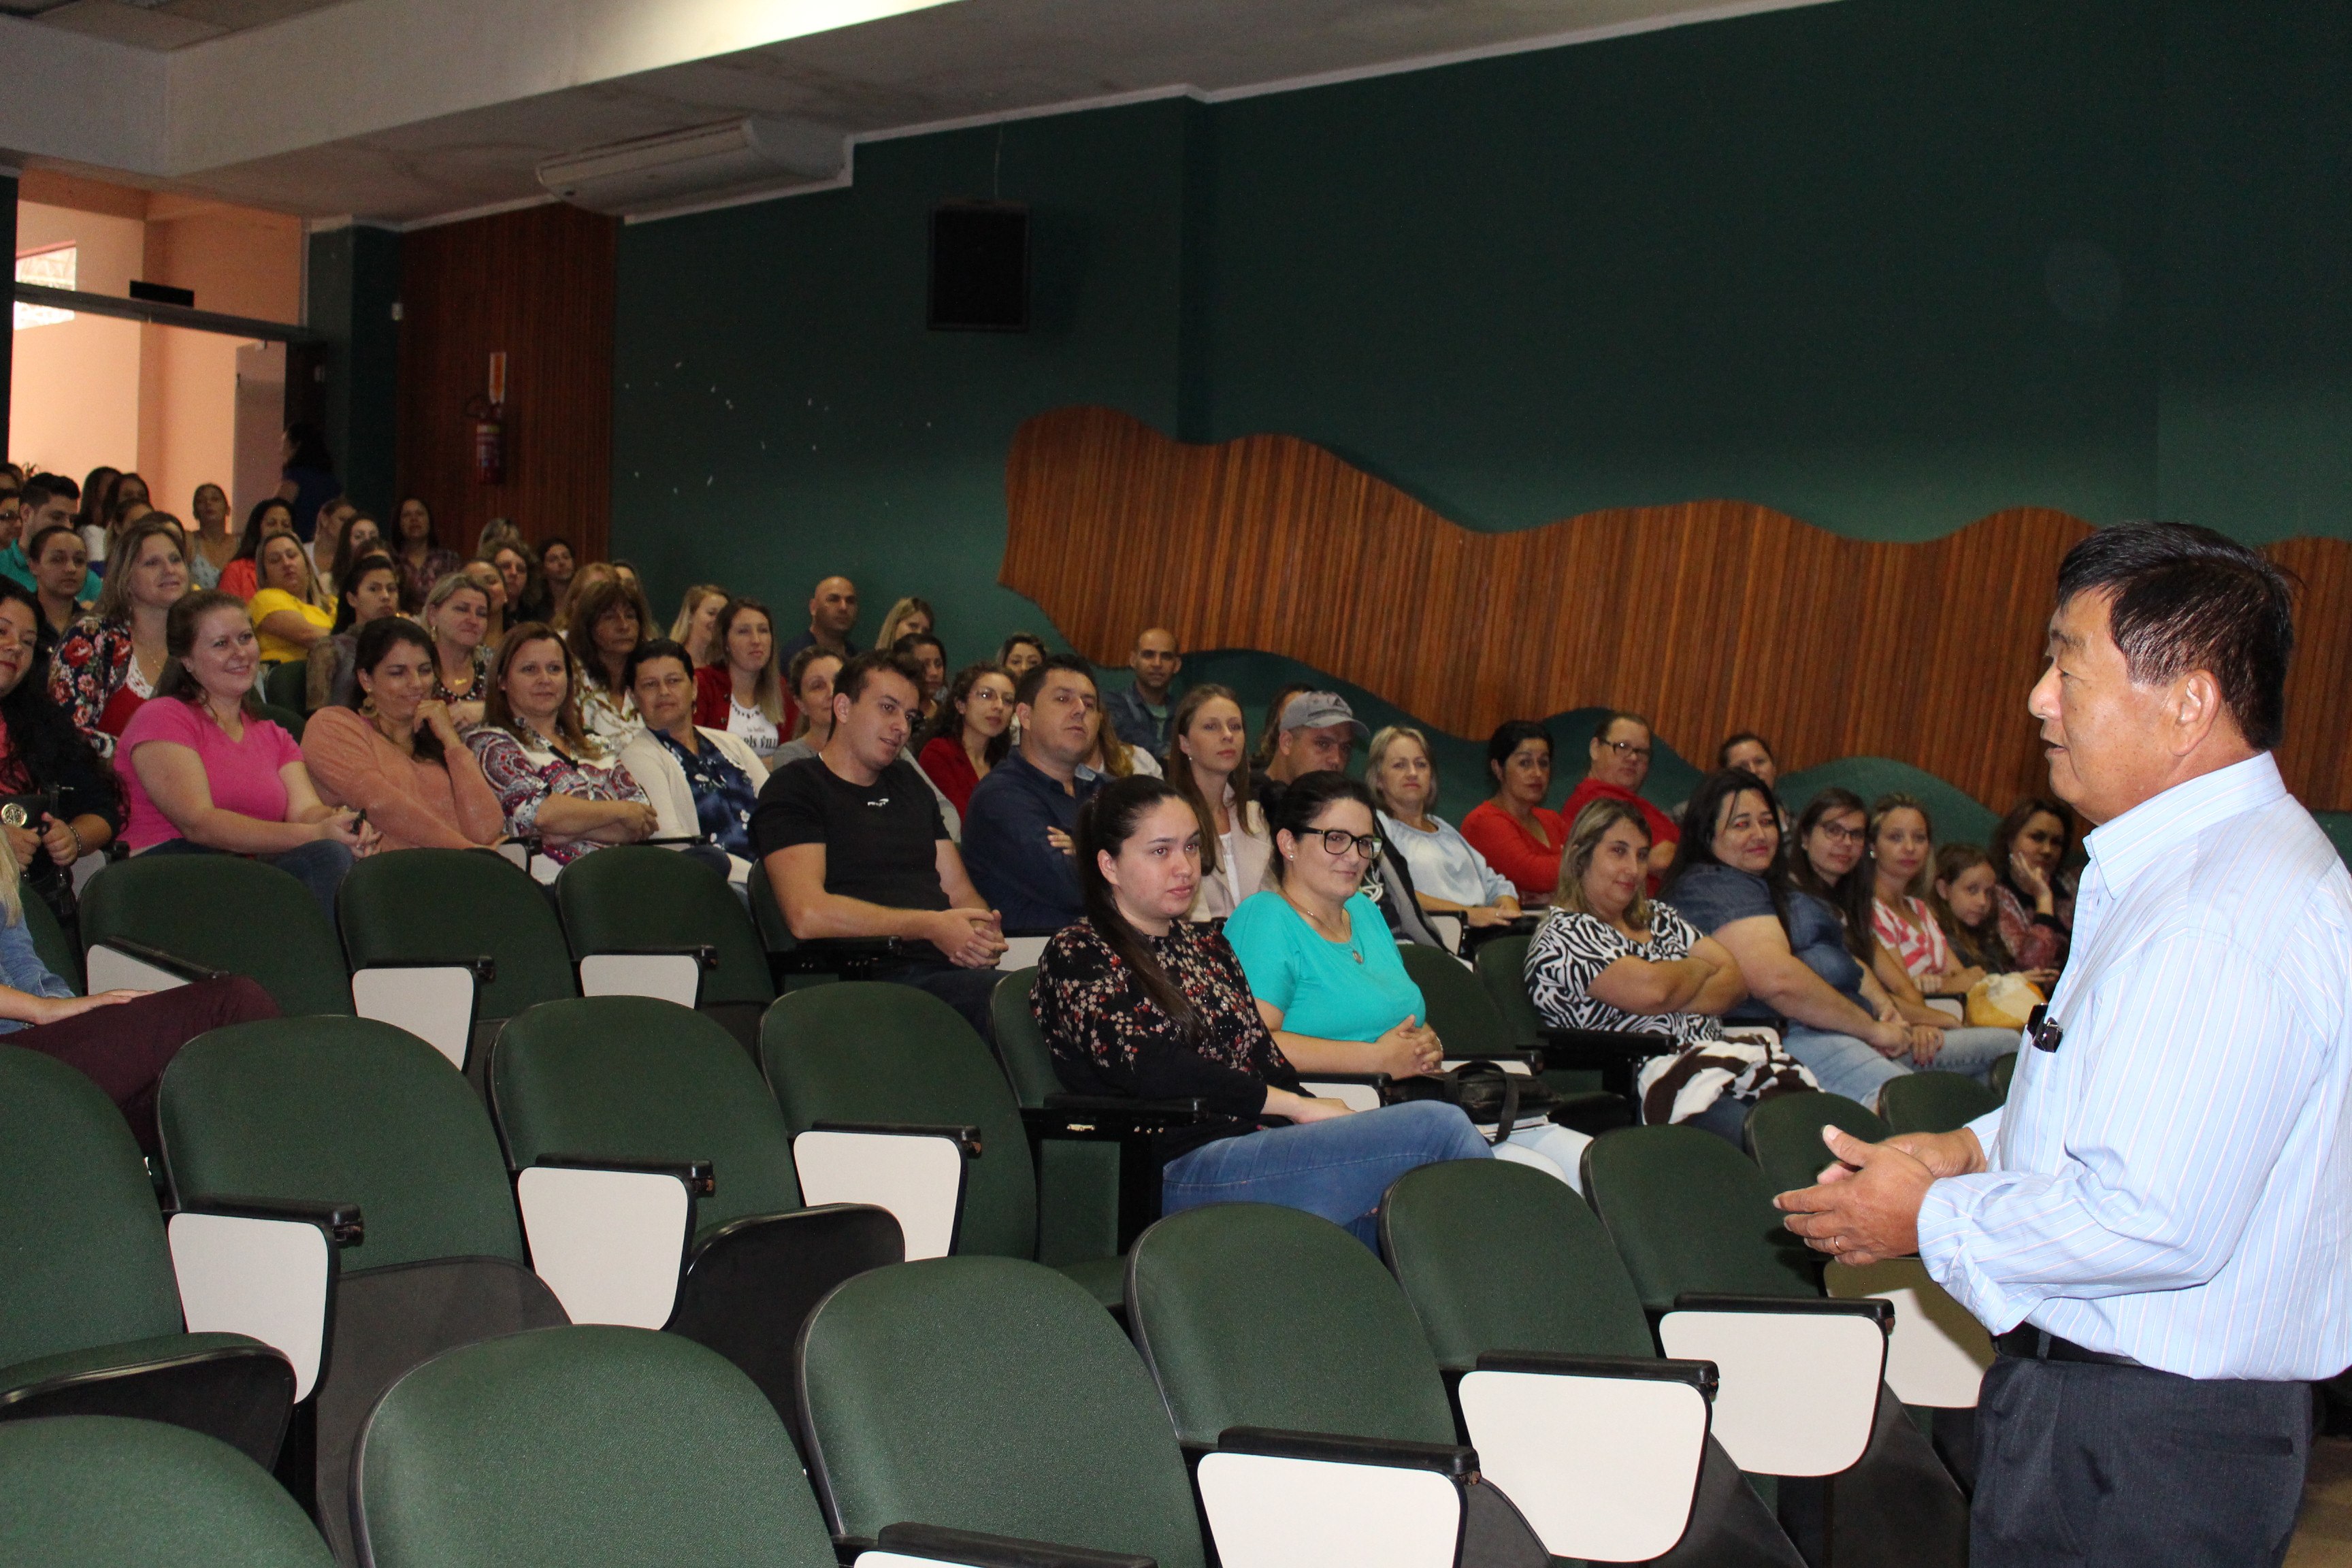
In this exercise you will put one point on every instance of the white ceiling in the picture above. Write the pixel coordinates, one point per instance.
(406, 110)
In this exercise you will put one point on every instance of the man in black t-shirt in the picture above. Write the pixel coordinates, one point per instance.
(854, 845)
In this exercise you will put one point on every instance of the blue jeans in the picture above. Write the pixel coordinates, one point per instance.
(1847, 1065)
(320, 865)
(1337, 1169)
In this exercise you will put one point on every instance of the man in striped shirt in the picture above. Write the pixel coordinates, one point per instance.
(2156, 1226)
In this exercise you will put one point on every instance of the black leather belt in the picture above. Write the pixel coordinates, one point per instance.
(2029, 1344)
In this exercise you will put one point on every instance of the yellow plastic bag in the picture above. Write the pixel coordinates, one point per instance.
(2002, 1001)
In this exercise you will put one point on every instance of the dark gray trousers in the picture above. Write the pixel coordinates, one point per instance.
(2113, 1467)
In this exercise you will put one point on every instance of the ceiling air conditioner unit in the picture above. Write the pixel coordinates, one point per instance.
(705, 161)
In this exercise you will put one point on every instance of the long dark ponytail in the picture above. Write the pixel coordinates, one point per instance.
(1105, 825)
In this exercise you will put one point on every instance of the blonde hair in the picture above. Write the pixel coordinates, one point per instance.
(909, 606)
(11, 892)
(1376, 753)
(1592, 824)
(313, 594)
(689, 608)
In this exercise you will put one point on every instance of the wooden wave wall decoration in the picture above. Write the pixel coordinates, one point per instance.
(1710, 616)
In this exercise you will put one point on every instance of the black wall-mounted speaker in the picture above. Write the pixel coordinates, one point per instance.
(979, 268)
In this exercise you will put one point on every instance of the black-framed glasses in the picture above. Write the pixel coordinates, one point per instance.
(1627, 749)
(1337, 841)
(1836, 834)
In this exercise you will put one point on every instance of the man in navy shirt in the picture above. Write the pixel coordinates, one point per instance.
(1017, 829)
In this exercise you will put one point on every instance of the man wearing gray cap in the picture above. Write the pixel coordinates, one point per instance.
(1319, 730)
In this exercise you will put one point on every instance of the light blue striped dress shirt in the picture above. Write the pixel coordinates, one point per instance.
(2174, 1183)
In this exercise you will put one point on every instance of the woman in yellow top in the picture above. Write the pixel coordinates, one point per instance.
(290, 613)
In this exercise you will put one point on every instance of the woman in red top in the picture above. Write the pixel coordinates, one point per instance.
(1621, 762)
(1512, 831)
(741, 691)
(969, 735)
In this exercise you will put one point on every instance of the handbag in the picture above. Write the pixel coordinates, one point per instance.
(2002, 1001)
(1488, 1095)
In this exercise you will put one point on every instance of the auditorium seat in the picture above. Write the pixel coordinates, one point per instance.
(90, 1319)
(1077, 1180)
(49, 939)
(1935, 1101)
(1501, 966)
(98, 1491)
(644, 921)
(286, 684)
(213, 912)
(1784, 1134)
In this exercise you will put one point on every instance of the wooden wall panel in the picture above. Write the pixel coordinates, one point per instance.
(538, 284)
(1710, 616)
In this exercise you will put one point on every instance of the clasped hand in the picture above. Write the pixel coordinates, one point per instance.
(1864, 1207)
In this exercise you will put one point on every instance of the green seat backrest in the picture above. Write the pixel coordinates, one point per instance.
(1463, 1016)
(423, 905)
(1934, 1102)
(1251, 1315)
(49, 939)
(633, 1077)
(341, 1110)
(82, 1256)
(93, 1492)
(286, 685)
(766, 913)
(582, 1444)
(872, 1051)
(2003, 1073)
(1028, 1059)
(1502, 966)
(639, 896)
(1688, 1213)
(287, 718)
(1494, 1256)
(1959, 818)
(1784, 1134)
(991, 1394)
(228, 912)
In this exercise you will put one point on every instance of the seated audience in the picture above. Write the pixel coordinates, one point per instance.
(42, 504)
(360, 538)
(1205, 765)
(968, 736)
(119, 1040)
(1270, 737)
(392, 752)
(1902, 855)
(554, 783)
(832, 615)
(1021, 653)
(512, 563)
(740, 690)
(1138, 1002)
(1449, 876)
(1143, 713)
(242, 575)
(421, 563)
(201, 770)
(326, 546)
(2030, 892)
(60, 567)
(696, 629)
(499, 533)
(1619, 753)
(1749, 752)
(608, 622)
(211, 544)
(711, 780)
(856, 847)
(1114, 758)
(485, 576)
(291, 615)
(1966, 913)
(1512, 828)
(108, 665)
(457, 617)
(909, 616)
(1314, 735)
(1731, 881)
(1609, 957)
(64, 788)
(91, 501)
(930, 656)
(810, 697)
(373, 592)
(1324, 970)
(125, 502)
(1018, 841)
(551, 586)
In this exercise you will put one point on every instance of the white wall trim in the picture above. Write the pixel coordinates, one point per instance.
(489, 209)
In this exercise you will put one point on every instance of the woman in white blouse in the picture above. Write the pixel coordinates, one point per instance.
(1449, 876)
(1207, 761)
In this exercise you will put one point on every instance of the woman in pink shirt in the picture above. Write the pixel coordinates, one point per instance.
(202, 772)
(397, 756)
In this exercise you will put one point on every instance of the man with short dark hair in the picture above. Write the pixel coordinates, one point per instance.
(856, 847)
(1619, 765)
(1018, 825)
(1140, 714)
(2158, 1224)
(47, 500)
(832, 615)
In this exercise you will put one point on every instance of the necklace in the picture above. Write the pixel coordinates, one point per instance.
(1315, 923)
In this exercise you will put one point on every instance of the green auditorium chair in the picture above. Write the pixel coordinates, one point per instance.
(993, 1395)
(1553, 1298)
(1463, 1011)
(657, 1184)
(1501, 966)
(155, 921)
(1576, 1062)
(893, 1098)
(98, 1491)
(1784, 1134)
(90, 1317)
(286, 685)
(49, 939)
(2004, 1072)
(449, 944)
(1802, 1396)
(1077, 1180)
(648, 922)
(1934, 1101)
(350, 1110)
(574, 1448)
(290, 720)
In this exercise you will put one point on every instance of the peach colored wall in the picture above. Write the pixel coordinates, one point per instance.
(74, 403)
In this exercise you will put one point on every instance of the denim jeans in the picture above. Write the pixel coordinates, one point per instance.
(320, 865)
(1847, 1065)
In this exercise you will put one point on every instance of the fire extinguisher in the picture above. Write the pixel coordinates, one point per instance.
(490, 440)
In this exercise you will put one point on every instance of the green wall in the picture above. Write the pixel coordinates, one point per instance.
(1887, 264)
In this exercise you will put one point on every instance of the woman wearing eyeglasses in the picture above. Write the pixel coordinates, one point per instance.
(1323, 968)
(1621, 763)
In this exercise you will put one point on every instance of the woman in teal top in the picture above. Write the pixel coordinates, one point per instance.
(1323, 968)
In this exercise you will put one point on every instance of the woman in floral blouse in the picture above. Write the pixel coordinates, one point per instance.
(1137, 1001)
(106, 667)
(552, 782)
